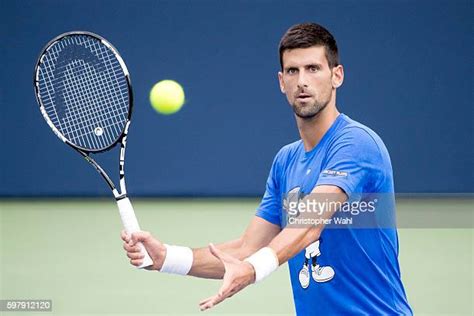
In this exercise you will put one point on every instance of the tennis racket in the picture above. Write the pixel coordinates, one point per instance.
(83, 89)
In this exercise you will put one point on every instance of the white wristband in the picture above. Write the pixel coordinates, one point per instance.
(178, 260)
(264, 261)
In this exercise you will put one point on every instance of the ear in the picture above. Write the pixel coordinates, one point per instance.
(280, 80)
(337, 76)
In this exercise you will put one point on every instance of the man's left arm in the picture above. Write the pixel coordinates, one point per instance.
(289, 242)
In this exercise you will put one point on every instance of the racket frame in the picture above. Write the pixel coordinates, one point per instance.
(84, 151)
(125, 207)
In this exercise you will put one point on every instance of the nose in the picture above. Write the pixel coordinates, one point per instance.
(302, 80)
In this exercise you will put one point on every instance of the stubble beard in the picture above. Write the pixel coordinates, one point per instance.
(309, 111)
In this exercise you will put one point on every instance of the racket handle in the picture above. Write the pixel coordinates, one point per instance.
(130, 223)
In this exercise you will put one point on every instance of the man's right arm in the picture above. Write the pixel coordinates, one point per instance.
(258, 234)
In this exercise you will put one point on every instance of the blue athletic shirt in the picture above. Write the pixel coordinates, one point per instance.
(349, 271)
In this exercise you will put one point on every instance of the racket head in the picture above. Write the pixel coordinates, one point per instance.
(83, 88)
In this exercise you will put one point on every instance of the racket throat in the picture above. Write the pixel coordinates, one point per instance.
(119, 196)
(123, 194)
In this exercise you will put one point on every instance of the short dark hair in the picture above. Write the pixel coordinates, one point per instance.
(306, 35)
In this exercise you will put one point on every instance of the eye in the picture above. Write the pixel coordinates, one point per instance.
(313, 68)
(291, 71)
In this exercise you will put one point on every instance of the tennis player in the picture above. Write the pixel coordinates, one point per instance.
(344, 271)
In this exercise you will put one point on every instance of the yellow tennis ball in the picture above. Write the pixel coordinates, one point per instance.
(167, 97)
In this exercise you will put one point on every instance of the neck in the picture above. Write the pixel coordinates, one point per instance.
(313, 129)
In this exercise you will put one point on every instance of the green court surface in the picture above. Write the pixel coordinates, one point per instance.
(69, 251)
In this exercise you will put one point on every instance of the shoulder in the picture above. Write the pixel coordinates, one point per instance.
(358, 137)
(285, 155)
(288, 151)
(357, 149)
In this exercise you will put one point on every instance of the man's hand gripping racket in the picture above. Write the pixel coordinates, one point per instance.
(83, 89)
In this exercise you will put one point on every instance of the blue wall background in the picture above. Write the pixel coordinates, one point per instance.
(408, 67)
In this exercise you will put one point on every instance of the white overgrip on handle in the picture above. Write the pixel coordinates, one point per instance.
(130, 223)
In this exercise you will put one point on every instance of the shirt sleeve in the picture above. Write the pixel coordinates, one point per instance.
(353, 163)
(270, 206)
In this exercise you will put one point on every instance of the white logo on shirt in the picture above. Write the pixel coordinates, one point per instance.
(335, 173)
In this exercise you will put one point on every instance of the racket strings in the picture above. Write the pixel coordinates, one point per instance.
(84, 91)
(84, 100)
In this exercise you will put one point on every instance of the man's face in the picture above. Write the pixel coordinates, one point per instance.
(307, 80)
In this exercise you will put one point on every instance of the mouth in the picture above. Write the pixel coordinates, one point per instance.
(303, 96)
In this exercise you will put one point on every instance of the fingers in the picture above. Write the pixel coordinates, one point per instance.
(136, 262)
(141, 236)
(209, 303)
(206, 300)
(135, 237)
(135, 255)
(133, 250)
(225, 292)
(226, 287)
(236, 278)
(125, 237)
(131, 240)
(221, 255)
